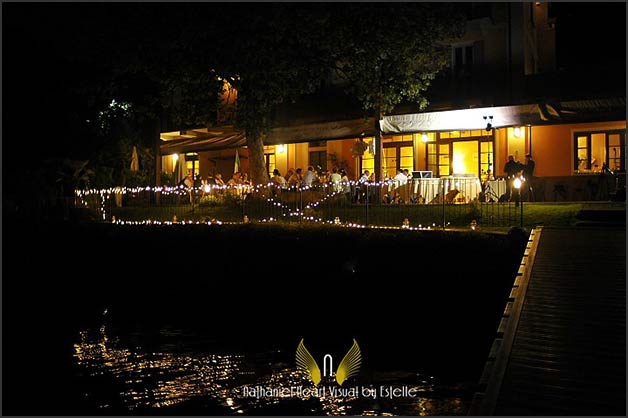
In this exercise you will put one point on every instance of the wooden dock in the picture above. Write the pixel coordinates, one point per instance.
(561, 345)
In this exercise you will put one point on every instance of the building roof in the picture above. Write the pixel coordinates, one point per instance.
(226, 137)
(579, 111)
(202, 139)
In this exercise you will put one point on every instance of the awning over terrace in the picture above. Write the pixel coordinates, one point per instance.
(505, 116)
(226, 137)
(343, 129)
(195, 140)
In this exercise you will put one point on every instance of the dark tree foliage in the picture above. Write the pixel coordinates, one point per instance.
(166, 59)
(390, 53)
(270, 57)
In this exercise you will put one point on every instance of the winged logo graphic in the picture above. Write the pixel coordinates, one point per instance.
(349, 366)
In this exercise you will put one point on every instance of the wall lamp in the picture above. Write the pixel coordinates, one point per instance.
(489, 124)
(517, 132)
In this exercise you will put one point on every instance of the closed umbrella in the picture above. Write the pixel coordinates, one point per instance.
(236, 165)
(180, 169)
(135, 161)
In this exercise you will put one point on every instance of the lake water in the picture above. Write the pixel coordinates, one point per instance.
(202, 321)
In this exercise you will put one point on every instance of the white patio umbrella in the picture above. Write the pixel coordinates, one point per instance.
(180, 169)
(236, 165)
(135, 161)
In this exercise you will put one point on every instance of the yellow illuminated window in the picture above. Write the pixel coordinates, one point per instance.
(406, 159)
(432, 158)
(582, 154)
(368, 162)
(486, 159)
(593, 150)
(398, 157)
(269, 158)
(191, 163)
(615, 147)
(443, 159)
(390, 162)
(465, 157)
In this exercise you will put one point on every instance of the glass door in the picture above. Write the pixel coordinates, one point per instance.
(465, 158)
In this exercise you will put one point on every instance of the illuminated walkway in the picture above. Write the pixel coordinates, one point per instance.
(561, 345)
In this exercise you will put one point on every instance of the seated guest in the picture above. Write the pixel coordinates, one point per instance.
(278, 181)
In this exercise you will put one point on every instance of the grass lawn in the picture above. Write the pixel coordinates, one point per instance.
(498, 216)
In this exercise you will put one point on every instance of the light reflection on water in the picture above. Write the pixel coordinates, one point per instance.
(164, 379)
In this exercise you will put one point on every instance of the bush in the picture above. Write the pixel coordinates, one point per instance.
(167, 179)
(211, 200)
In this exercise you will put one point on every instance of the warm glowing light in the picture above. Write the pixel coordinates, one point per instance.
(104, 195)
(459, 166)
(424, 138)
(517, 132)
(517, 183)
(281, 148)
(175, 157)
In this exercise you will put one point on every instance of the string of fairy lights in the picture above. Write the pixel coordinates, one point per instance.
(338, 187)
(311, 219)
(241, 191)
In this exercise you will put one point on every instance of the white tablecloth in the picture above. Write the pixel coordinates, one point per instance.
(470, 187)
(426, 189)
(495, 188)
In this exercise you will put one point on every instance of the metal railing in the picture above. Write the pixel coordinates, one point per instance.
(421, 203)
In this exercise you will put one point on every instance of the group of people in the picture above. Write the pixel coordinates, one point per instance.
(525, 172)
(208, 184)
(190, 181)
(296, 178)
(397, 192)
(339, 181)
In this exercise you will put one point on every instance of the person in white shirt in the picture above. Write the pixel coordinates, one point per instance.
(335, 179)
(278, 181)
(346, 186)
(361, 191)
(295, 179)
(400, 178)
(309, 176)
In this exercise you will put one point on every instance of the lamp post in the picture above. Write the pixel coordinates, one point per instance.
(517, 185)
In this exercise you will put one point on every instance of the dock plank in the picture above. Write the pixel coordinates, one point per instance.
(564, 334)
(569, 351)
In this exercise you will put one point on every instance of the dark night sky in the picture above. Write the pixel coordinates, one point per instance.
(593, 29)
(49, 47)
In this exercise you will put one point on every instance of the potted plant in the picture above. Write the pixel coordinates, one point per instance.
(359, 147)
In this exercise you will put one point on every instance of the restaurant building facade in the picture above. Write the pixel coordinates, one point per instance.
(502, 95)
